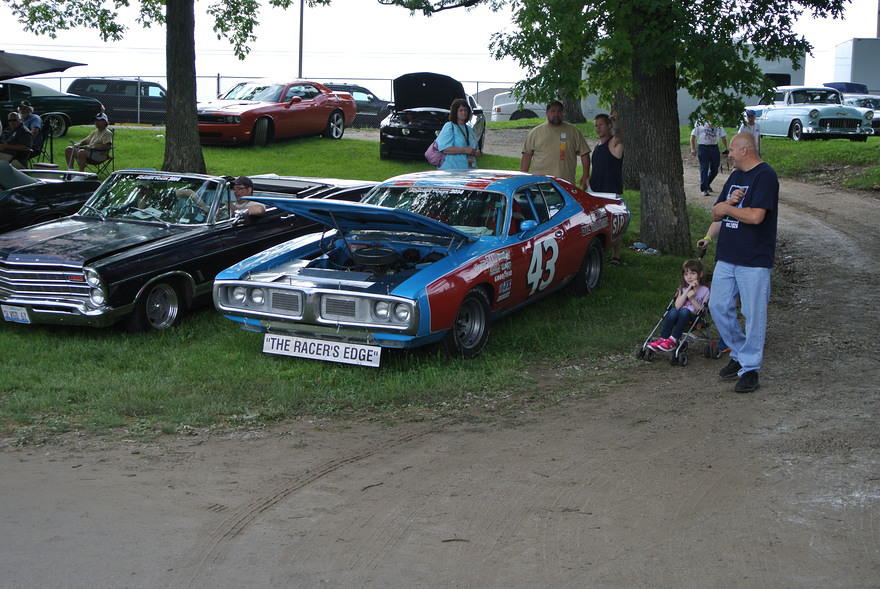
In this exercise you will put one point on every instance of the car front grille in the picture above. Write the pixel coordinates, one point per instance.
(41, 282)
(851, 124)
(212, 118)
(286, 303)
(340, 307)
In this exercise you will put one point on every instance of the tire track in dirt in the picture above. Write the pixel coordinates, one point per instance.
(215, 545)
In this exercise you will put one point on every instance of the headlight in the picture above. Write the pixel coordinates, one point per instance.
(382, 309)
(402, 312)
(814, 114)
(869, 115)
(233, 120)
(93, 279)
(96, 297)
(239, 295)
(258, 296)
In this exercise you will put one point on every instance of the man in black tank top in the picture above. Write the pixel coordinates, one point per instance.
(607, 167)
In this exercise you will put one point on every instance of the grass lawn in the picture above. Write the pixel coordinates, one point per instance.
(207, 371)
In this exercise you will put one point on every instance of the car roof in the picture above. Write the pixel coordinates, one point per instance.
(37, 89)
(824, 88)
(479, 179)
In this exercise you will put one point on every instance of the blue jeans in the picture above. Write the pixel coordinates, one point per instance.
(710, 159)
(675, 322)
(753, 287)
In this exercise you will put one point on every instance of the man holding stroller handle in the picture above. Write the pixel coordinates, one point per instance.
(744, 223)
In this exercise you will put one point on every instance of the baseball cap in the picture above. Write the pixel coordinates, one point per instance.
(244, 181)
(101, 117)
(750, 113)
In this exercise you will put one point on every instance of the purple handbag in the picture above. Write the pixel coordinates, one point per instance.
(434, 156)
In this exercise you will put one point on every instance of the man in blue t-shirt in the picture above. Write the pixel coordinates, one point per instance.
(744, 223)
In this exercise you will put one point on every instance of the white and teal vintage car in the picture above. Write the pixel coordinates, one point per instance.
(804, 112)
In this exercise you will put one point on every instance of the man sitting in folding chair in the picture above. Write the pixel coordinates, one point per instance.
(94, 150)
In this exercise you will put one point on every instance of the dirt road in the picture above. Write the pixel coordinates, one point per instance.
(666, 479)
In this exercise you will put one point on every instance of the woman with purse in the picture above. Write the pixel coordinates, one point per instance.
(457, 139)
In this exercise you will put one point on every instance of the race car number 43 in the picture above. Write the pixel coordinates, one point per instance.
(329, 351)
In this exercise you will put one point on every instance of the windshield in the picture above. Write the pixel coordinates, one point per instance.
(815, 97)
(254, 91)
(474, 212)
(866, 102)
(154, 197)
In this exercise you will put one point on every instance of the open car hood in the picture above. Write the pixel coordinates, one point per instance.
(349, 216)
(426, 89)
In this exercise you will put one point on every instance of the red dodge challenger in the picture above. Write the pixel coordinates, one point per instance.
(259, 111)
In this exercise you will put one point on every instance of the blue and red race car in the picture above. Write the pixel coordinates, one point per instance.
(424, 258)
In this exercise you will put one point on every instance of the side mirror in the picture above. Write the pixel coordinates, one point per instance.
(527, 225)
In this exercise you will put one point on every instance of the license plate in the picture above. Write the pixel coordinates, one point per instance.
(315, 349)
(15, 314)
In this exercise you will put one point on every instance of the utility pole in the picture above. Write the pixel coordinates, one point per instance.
(302, 10)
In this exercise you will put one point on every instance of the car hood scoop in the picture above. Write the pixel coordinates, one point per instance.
(348, 216)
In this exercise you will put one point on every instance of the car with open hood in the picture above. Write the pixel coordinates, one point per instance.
(59, 110)
(146, 247)
(28, 197)
(420, 109)
(259, 111)
(805, 112)
(424, 258)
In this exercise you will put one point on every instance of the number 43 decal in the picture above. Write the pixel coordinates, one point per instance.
(542, 268)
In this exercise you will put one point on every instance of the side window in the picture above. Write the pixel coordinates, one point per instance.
(552, 198)
(522, 205)
(360, 96)
(129, 89)
(4, 92)
(309, 91)
(779, 97)
(96, 87)
(18, 92)
(152, 91)
(295, 90)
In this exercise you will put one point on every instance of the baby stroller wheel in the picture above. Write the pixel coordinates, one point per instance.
(649, 355)
(683, 360)
(640, 352)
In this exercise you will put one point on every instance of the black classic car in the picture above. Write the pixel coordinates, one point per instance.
(371, 110)
(420, 109)
(28, 197)
(145, 247)
(59, 110)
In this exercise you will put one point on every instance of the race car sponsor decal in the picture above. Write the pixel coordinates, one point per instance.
(504, 290)
(155, 177)
(542, 267)
(496, 262)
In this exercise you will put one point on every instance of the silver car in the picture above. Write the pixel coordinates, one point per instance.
(805, 112)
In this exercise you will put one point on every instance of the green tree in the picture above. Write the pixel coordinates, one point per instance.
(637, 54)
(233, 19)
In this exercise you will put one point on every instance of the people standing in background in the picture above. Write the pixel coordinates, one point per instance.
(552, 148)
(704, 144)
(457, 139)
(606, 171)
(752, 127)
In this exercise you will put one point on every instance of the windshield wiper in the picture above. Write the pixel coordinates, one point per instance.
(101, 215)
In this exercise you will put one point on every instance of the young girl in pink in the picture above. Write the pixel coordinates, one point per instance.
(689, 300)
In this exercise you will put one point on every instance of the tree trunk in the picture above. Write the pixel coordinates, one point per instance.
(183, 153)
(627, 117)
(657, 154)
(573, 112)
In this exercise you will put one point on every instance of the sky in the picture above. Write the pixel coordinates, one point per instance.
(357, 40)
